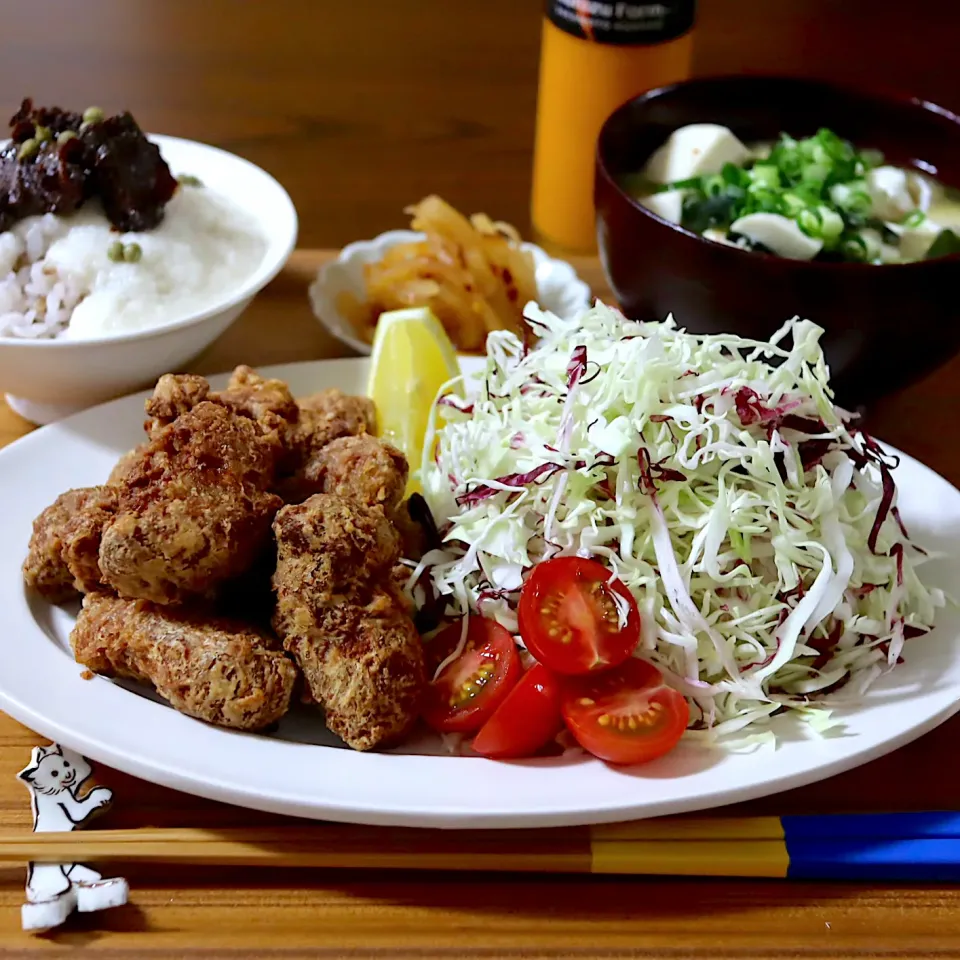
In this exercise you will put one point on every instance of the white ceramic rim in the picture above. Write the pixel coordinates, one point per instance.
(277, 254)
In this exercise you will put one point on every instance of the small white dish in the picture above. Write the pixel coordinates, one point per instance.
(299, 770)
(559, 288)
(49, 379)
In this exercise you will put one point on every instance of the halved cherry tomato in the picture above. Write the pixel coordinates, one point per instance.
(527, 719)
(626, 715)
(468, 690)
(569, 619)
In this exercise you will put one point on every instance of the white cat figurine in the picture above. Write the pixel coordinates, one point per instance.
(54, 778)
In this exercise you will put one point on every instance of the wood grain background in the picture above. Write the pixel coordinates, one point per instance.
(359, 108)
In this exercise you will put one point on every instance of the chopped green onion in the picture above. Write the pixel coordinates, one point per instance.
(694, 183)
(764, 201)
(818, 182)
(854, 247)
(731, 173)
(831, 223)
(714, 185)
(792, 204)
(809, 222)
(765, 175)
(914, 219)
(815, 172)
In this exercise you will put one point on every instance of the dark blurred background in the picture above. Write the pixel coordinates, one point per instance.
(362, 107)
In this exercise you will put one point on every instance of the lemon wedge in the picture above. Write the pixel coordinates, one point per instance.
(412, 358)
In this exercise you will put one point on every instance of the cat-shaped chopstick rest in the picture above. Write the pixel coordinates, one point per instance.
(54, 890)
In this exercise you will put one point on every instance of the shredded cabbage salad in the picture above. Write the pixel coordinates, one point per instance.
(755, 525)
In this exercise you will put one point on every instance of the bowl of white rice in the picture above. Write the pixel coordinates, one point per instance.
(88, 313)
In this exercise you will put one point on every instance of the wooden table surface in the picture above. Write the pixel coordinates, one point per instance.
(359, 109)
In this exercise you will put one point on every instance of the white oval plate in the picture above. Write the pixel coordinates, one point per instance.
(300, 771)
(559, 288)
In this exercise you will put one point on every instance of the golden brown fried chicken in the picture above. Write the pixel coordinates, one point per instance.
(369, 680)
(174, 395)
(340, 543)
(360, 468)
(62, 558)
(267, 402)
(372, 472)
(321, 418)
(126, 465)
(338, 614)
(83, 536)
(45, 570)
(375, 474)
(217, 670)
(193, 511)
(329, 415)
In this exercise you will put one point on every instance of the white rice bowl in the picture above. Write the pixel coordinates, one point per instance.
(59, 282)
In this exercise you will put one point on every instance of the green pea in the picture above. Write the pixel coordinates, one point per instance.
(42, 134)
(189, 180)
(132, 253)
(92, 115)
(62, 138)
(115, 252)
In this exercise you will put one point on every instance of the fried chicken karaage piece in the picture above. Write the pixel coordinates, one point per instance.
(126, 465)
(360, 468)
(321, 418)
(63, 555)
(329, 415)
(268, 403)
(174, 395)
(299, 429)
(374, 473)
(217, 670)
(194, 510)
(339, 614)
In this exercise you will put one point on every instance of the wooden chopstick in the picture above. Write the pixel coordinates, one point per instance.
(891, 846)
(547, 851)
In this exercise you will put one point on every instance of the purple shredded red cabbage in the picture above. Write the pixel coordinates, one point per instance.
(873, 453)
(751, 407)
(825, 646)
(483, 490)
(760, 664)
(651, 472)
(577, 366)
(889, 489)
(451, 400)
(895, 511)
(897, 551)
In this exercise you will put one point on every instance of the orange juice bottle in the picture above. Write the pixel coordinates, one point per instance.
(595, 55)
